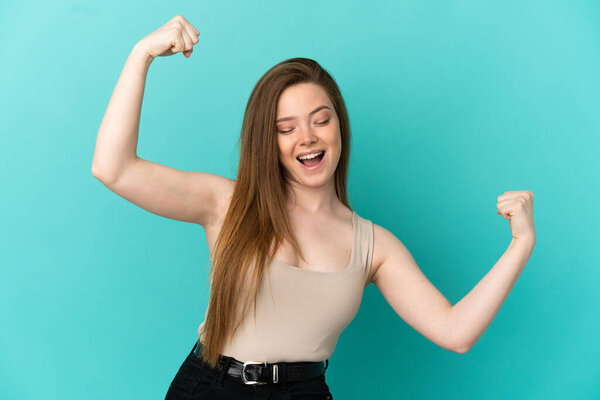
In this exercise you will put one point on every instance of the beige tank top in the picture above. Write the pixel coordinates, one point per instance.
(301, 313)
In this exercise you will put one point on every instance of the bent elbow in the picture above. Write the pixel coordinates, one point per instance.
(98, 173)
(459, 342)
(460, 346)
(102, 176)
(455, 347)
(462, 350)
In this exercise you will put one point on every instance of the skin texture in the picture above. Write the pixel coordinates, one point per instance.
(394, 271)
(203, 198)
(418, 302)
(312, 190)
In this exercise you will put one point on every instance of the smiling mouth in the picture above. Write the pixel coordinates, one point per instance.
(310, 162)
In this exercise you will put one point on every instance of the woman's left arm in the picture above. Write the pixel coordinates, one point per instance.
(418, 302)
(472, 315)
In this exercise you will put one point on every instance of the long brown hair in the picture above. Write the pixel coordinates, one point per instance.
(257, 221)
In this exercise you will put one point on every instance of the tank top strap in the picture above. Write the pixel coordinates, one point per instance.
(364, 243)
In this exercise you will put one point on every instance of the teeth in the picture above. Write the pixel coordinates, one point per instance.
(309, 156)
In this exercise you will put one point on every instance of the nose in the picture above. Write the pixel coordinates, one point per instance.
(308, 136)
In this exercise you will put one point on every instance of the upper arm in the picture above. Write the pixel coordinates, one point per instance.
(181, 195)
(409, 292)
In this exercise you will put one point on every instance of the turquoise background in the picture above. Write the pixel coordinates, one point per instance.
(451, 104)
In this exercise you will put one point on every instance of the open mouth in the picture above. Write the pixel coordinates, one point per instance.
(313, 162)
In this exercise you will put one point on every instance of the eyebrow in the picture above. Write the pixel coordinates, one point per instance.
(310, 113)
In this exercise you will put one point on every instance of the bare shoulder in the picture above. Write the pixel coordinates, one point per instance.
(384, 244)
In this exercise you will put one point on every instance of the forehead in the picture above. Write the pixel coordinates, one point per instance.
(301, 99)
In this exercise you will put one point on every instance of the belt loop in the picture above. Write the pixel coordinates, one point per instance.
(222, 368)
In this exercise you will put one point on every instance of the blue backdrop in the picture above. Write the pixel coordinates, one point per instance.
(451, 104)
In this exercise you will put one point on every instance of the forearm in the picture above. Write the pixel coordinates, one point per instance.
(472, 315)
(116, 143)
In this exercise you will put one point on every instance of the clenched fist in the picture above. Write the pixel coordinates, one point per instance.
(517, 206)
(177, 35)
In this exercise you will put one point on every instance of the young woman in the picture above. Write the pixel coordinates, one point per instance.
(290, 258)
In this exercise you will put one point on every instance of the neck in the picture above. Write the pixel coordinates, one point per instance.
(312, 200)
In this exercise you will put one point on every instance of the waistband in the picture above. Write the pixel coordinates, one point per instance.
(260, 373)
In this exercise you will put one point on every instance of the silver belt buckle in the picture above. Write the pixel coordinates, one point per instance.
(247, 382)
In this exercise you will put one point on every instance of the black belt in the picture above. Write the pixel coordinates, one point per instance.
(260, 373)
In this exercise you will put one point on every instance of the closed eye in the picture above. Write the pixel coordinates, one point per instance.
(318, 123)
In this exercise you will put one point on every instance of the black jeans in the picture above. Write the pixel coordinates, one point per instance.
(197, 380)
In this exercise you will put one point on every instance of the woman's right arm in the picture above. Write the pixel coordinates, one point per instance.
(188, 196)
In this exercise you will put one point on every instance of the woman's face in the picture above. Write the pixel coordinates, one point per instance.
(307, 122)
